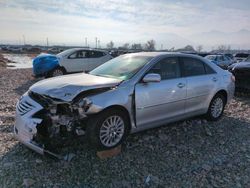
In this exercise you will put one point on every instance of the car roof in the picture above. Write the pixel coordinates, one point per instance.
(98, 50)
(166, 54)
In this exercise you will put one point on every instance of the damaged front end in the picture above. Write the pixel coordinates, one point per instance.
(45, 124)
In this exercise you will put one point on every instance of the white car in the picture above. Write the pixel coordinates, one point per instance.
(69, 61)
(82, 59)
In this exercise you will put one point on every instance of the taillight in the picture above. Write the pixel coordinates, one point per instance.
(233, 78)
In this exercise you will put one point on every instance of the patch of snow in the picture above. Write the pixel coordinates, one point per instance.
(21, 61)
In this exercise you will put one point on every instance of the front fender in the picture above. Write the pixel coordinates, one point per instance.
(120, 96)
(45, 63)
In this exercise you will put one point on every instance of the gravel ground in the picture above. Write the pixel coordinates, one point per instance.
(193, 153)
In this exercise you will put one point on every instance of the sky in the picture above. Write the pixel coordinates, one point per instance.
(170, 23)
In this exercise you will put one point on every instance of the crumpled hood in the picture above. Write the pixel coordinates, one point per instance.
(68, 87)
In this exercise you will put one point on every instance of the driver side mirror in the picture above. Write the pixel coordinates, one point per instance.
(151, 77)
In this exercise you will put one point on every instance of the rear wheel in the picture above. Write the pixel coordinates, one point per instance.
(216, 107)
(108, 129)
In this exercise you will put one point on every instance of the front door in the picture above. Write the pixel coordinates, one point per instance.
(159, 102)
(76, 62)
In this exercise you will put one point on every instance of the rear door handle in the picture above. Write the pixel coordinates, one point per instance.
(180, 85)
(214, 79)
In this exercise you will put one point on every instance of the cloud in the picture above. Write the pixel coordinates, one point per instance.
(70, 22)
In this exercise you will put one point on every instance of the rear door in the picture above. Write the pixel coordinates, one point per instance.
(96, 58)
(159, 101)
(202, 82)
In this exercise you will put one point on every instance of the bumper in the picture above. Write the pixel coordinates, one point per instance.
(25, 124)
(25, 134)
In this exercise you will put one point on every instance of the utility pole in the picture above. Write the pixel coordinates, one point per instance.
(24, 40)
(161, 46)
(47, 42)
(99, 46)
(86, 42)
(96, 42)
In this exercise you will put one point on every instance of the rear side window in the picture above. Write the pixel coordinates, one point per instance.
(95, 54)
(168, 68)
(192, 67)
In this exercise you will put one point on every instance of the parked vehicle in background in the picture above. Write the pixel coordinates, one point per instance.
(130, 93)
(241, 57)
(203, 54)
(231, 57)
(69, 61)
(241, 71)
(220, 60)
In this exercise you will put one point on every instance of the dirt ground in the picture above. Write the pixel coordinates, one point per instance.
(192, 153)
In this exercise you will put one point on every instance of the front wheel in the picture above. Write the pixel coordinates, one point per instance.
(216, 107)
(108, 129)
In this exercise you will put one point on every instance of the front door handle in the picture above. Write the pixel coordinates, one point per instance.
(180, 85)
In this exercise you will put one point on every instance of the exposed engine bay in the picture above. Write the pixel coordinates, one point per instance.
(61, 121)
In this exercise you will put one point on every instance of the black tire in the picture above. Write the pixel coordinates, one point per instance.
(210, 115)
(56, 72)
(95, 123)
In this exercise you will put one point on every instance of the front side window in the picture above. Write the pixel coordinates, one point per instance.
(78, 55)
(168, 68)
(192, 67)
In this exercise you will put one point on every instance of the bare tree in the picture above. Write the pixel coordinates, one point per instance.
(199, 48)
(221, 48)
(150, 45)
(125, 46)
(137, 46)
(110, 45)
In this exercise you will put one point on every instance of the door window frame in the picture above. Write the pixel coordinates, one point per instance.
(203, 63)
(159, 60)
(78, 57)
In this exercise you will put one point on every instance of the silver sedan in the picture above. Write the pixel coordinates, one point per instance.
(127, 94)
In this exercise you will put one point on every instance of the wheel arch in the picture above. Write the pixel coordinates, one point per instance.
(121, 108)
(224, 93)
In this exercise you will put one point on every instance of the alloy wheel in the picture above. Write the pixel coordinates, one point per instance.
(112, 131)
(217, 107)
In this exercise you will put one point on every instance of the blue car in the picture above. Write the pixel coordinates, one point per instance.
(220, 60)
(44, 64)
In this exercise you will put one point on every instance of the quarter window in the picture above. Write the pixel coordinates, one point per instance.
(208, 69)
(168, 68)
(192, 67)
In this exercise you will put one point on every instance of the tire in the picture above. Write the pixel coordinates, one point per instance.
(99, 131)
(216, 107)
(56, 72)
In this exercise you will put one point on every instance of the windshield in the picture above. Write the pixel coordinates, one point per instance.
(122, 67)
(211, 57)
